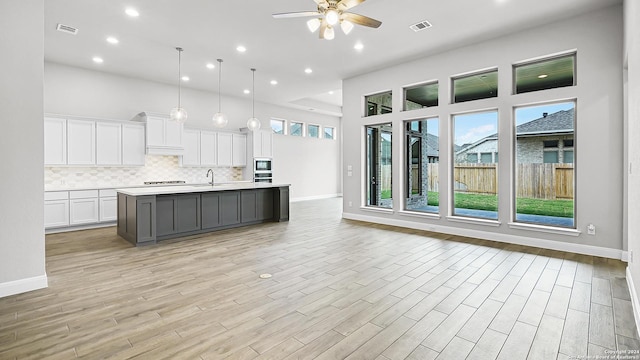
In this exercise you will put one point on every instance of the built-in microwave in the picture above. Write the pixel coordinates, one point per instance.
(261, 165)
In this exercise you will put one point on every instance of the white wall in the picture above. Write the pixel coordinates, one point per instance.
(82, 92)
(632, 51)
(22, 257)
(597, 38)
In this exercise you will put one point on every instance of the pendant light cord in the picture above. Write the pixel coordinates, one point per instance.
(219, 81)
(253, 94)
(179, 74)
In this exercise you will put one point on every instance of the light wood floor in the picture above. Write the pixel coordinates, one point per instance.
(340, 289)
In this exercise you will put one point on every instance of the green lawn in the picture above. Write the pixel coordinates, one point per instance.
(558, 208)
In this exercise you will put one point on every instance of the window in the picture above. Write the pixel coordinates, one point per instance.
(486, 158)
(474, 87)
(546, 74)
(313, 131)
(378, 168)
(329, 133)
(277, 126)
(544, 183)
(475, 185)
(378, 104)
(296, 129)
(421, 96)
(422, 155)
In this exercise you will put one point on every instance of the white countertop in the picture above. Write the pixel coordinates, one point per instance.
(48, 188)
(182, 189)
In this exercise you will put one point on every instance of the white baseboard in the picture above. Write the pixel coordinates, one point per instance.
(634, 300)
(316, 197)
(79, 227)
(505, 238)
(23, 285)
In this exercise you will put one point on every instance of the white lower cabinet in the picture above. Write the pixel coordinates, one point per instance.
(56, 209)
(108, 205)
(83, 207)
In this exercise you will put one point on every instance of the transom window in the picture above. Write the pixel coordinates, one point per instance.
(378, 104)
(476, 86)
(420, 96)
(313, 131)
(545, 74)
(296, 128)
(329, 132)
(277, 126)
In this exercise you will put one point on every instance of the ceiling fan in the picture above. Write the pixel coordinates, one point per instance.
(331, 13)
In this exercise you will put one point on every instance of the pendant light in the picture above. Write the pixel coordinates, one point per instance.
(219, 119)
(253, 123)
(179, 114)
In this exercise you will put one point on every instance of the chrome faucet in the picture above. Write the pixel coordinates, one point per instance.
(210, 172)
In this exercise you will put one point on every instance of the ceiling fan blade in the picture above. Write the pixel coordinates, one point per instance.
(296, 14)
(323, 27)
(322, 3)
(348, 4)
(361, 20)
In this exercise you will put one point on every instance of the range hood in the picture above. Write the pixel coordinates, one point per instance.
(163, 136)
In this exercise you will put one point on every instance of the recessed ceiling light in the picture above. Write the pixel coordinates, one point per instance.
(542, 76)
(185, 78)
(308, 70)
(274, 82)
(132, 12)
(97, 60)
(210, 66)
(331, 92)
(112, 40)
(241, 49)
(246, 91)
(358, 46)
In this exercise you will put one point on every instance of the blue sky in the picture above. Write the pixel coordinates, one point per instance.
(526, 114)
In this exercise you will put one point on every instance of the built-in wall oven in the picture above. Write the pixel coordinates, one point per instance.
(262, 171)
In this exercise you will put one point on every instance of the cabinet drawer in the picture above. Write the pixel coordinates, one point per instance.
(108, 193)
(56, 195)
(83, 194)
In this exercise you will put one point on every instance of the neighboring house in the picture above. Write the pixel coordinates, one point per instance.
(548, 139)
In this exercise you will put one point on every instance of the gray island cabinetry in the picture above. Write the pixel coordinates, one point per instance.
(148, 215)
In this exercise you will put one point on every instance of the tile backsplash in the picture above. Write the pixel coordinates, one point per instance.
(157, 168)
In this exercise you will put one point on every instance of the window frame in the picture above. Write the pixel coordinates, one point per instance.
(378, 107)
(453, 79)
(333, 133)
(284, 125)
(419, 85)
(514, 66)
(302, 128)
(309, 131)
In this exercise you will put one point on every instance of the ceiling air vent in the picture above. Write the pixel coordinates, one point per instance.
(420, 26)
(67, 29)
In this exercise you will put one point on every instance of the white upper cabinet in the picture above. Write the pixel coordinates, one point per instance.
(81, 146)
(262, 143)
(239, 151)
(133, 144)
(191, 156)
(208, 149)
(55, 141)
(164, 136)
(108, 143)
(225, 149)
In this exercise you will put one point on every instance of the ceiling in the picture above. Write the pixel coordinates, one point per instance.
(279, 49)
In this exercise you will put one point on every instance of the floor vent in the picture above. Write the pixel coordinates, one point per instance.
(67, 29)
(420, 26)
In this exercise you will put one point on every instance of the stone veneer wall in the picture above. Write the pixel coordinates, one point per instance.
(157, 168)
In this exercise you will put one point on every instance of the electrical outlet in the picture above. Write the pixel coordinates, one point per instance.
(591, 229)
(350, 204)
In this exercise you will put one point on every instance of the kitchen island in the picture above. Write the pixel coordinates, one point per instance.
(150, 214)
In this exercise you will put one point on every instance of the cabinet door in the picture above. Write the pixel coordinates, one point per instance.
(108, 143)
(55, 141)
(166, 215)
(229, 208)
(225, 149)
(155, 131)
(56, 213)
(239, 152)
(108, 209)
(83, 211)
(264, 204)
(208, 148)
(188, 211)
(191, 155)
(210, 210)
(81, 142)
(248, 202)
(173, 133)
(267, 143)
(132, 144)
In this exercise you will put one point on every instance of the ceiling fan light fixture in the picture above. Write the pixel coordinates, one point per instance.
(332, 16)
(329, 34)
(313, 24)
(346, 26)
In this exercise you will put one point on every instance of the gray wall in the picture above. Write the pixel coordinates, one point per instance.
(311, 166)
(22, 261)
(597, 37)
